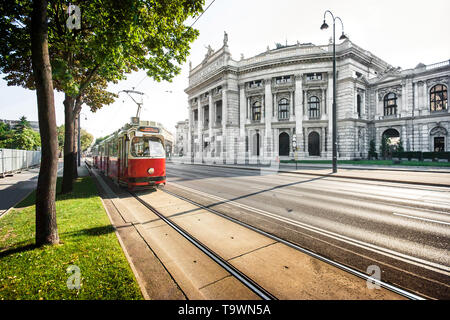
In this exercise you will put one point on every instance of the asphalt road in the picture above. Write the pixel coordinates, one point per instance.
(402, 229)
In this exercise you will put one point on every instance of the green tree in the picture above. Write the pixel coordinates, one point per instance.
(116, 37)
(372, 149)
(25, 139)
(23, 123)
(98, 140)
(86, 140)
(5, 135)
(24, 33)
(399, 147)
(384, 147)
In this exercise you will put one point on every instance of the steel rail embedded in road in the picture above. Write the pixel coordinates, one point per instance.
(357, 273)
(249, 283)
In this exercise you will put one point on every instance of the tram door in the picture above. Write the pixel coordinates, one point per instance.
(123, 156)
(120, 160)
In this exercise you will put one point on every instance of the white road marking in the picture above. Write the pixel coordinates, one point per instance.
(418, 218)
(368, 246)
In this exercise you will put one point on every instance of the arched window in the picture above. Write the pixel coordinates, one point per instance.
(358, 105)
(390, 104)
(438, 98)
(256, 111)
(314, 107)
(283, 109)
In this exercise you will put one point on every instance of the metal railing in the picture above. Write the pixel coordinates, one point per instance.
(13, 160)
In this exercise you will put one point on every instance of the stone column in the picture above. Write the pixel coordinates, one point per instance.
(267, 154)
(249, 115)
(404, 101)
(242, 120)
(198, 156)
(225, 139)
(291, 106)
(189, 134)
(322, 104)
(299, 114)
(210, 125)
(263, 109)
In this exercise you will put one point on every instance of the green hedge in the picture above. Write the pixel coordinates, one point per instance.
(408, 154)
(421, 155)
(436, 155)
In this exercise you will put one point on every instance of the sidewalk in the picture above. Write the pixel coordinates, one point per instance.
(16, 187)
(439, 178)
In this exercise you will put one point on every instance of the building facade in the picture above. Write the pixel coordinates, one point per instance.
(181, 138)
(14, 123)
(258, 109)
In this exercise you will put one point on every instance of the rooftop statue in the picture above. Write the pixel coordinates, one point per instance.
(225, 38)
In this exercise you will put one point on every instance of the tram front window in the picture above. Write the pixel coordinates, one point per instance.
(147, 147)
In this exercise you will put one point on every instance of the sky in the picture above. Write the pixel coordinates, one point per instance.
(401, 32)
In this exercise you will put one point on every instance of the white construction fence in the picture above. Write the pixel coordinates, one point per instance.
(13, 160)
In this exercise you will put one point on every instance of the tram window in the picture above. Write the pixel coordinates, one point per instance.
(147, 147)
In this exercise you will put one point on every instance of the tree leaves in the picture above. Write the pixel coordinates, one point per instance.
(116, 38)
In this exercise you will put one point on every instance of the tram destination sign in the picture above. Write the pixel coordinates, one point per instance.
(149, 129)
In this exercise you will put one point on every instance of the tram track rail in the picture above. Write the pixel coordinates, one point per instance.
(233, 271)
(244, 279)
(240, 276)
(405, 293)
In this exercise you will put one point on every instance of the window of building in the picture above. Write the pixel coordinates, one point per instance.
(314, 76)
(390, 104)
(206, 116)
(439, 144)
(358, 105)
(438, 98)
(283, 109)
(196, 115)
(256, 111)
(283, 79)
(255, 84)
(219, 111)
(314, 107)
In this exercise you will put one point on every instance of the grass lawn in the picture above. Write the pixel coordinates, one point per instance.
(376, 162)
(87, 241)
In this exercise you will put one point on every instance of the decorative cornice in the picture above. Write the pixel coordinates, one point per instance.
(395, 89)
(440, 80)
(441, 131)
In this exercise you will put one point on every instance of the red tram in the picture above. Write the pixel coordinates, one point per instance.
(134, 156)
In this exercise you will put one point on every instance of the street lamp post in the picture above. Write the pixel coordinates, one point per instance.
(294, 147)
(342, 37)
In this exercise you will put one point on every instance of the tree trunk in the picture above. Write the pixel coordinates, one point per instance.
(76, 116)
(67, 182)
(46, 227)
(75, 145)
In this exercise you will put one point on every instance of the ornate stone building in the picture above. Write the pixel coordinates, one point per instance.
(253, 109)
(181, 138)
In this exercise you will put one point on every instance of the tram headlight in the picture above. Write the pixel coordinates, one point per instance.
(151, 170)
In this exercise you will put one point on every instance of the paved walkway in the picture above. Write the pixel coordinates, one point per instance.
(13, 188)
